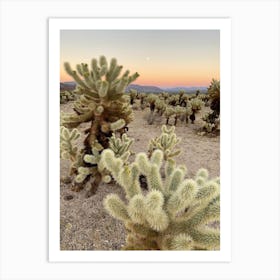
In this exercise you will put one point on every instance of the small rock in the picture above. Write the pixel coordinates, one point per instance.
(68, 197)
(66, 179)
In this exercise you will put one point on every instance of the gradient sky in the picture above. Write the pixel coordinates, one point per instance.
(163, 58)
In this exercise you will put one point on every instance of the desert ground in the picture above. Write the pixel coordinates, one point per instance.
(84, 223)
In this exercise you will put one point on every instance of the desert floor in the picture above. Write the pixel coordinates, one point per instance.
(84, 223)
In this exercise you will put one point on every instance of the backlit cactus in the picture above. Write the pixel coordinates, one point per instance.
(166, 142)
(133, 95)
(174, 214)
(212, 119)
(160, 106)
(68, 147)
(66, 96)
(168, 113)
(196, 105)
(151, 99)
(102, 103)
(121, 146)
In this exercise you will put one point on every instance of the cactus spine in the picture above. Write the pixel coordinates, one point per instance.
(173, 215)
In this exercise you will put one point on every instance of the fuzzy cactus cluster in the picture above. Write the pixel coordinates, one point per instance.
(68, 147)
(173, 214)
(212, 119)
(179, 106)
(102, 103)
(166, 142)
(66, 96)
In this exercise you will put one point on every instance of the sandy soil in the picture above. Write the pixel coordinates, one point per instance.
(84, 223)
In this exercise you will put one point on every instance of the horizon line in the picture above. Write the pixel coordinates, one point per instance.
(166, 87)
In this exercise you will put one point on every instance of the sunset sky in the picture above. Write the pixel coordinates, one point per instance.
(164, 58)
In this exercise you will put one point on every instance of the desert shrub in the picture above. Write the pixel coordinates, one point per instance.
(103, 104)
(173, 214)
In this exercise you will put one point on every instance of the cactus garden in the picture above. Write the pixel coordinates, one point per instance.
(140, 140)
(136, 171)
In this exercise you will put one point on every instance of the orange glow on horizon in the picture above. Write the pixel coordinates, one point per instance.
(163, 81)
(163, 58)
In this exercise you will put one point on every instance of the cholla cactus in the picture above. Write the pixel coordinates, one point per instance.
(196, 105)
(160, 106)
(151, 99)
(68, 147)
(121, 146)
(188, 112)
(169, 112)
(212, 119)
(164, 95)
(179, 112)
(142, 96)
(211, 123)
(214, 95)
(166, 142)
(133, 95)
(173, 100)
(102, 102)
(181, 94)
(173, 215)
(66, 96)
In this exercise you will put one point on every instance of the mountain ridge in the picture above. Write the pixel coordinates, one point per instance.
(146, 88)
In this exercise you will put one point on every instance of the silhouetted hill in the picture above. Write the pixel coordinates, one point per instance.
(67, 86)
(140, 88)
(147, 89)
(186, 89)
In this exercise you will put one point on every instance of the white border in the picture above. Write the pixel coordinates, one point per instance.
(55, 25)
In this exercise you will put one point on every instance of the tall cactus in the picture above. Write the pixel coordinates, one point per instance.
(212, 119)
(103, 103)
(174, 214)
(214, 96)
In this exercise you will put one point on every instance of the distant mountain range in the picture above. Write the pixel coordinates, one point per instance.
(67, 86)
(186, 89)
(140, 88)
